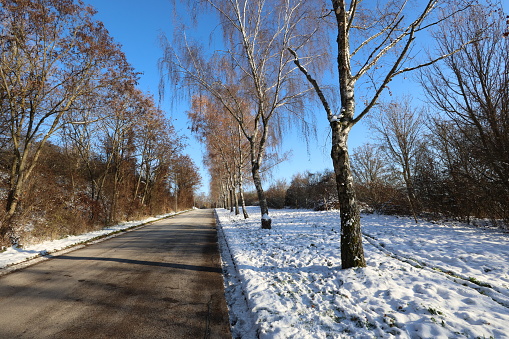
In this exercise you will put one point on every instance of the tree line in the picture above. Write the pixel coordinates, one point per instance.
(278, 60)
(448, 158)
(80, 145)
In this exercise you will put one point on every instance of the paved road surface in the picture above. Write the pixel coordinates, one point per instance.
(161, 281)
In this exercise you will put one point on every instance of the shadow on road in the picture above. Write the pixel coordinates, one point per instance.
(144, 262)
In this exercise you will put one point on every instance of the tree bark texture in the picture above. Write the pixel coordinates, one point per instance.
(352, 252)
(242, 200)
(264, 207)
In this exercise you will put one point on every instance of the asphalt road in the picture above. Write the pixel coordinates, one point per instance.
(161, 281)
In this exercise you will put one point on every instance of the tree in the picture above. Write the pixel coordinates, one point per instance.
(276, 194)
(471, 89)
(185, 179)
(312, 190)
(227, 149)
(297, 193)
(433, 179)
(399, 127)
(52, 53)
(374, 177)
(255, 68)
(118, 147)
(157, 145)
(105, 143)
(366, 33)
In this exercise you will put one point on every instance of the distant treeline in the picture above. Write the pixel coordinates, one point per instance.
(437, 195)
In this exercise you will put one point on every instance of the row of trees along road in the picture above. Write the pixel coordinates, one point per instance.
(269, 44)
(80, 145)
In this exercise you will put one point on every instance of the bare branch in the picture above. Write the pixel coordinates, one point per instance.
(314, 83)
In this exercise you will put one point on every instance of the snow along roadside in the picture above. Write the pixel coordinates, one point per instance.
(242, 323)
(15, 258)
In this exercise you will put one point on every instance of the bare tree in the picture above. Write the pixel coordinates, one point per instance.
(472, 89)
(399, 128)
(311, 190)
(184, 179)
(369, 164)
(374, 42)
(255, 68)
(227, 149)
(374, 177)
(157, 144)
(52, 53)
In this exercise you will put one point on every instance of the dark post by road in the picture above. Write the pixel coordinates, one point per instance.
(161, 281)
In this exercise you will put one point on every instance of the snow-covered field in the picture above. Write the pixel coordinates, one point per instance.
(422, 281)
(16, 255)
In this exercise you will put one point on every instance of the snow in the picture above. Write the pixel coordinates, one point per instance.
(425, 280)
(15, 255)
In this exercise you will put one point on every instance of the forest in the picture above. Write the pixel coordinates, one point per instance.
(80, 146)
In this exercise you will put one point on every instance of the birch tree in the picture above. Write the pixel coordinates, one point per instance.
(374, 42)
(255, 66)
(227, 149)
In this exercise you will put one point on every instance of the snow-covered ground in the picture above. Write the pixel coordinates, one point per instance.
(16, 255)
(423, 280)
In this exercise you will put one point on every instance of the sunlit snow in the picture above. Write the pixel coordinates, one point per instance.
(423, 280)
(426, 280)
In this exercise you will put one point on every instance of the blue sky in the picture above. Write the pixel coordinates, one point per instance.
(137, 25)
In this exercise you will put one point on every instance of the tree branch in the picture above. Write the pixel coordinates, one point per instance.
(314, 83)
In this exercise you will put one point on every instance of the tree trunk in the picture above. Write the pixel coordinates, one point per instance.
(352, 252)
(236, 198)
(13, 197)
(231, 199)
(224, 195)
(410, 193)
(114, 198)
(20, 173)
(239, 173)
(242, 200)
(264, 208)
(176, 201)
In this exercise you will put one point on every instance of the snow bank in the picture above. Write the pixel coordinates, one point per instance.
(422, 281)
